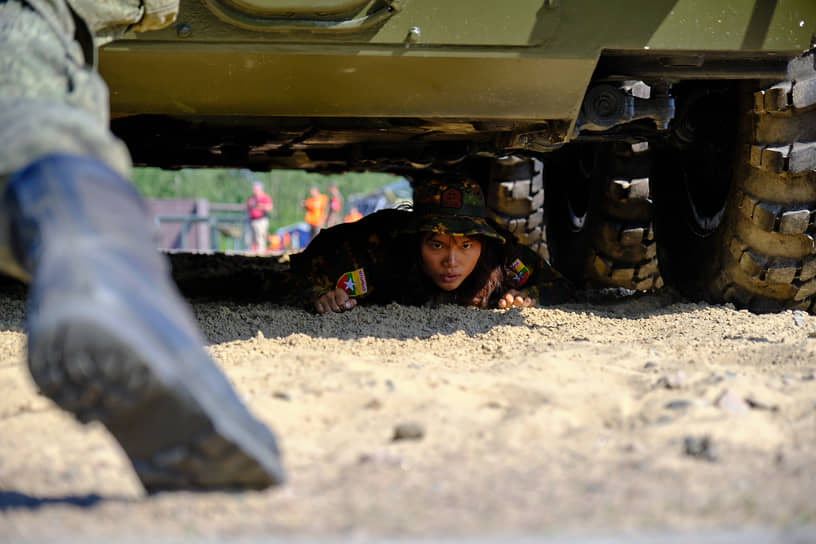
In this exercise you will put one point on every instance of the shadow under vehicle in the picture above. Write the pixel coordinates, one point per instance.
(675, 140)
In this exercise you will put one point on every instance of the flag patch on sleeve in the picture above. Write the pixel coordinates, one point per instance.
(520, 272)
(353, 283)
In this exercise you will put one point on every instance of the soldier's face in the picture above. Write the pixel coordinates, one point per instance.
(449, 260)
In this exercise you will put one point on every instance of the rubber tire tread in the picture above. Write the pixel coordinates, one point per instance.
(515, 200)
(624, 253)
(769, 259)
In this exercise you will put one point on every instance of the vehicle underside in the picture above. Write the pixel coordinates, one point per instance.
(635, 169)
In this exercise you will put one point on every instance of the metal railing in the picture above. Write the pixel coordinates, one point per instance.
(213, 221)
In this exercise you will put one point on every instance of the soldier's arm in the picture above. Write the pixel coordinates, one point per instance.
(527, 274)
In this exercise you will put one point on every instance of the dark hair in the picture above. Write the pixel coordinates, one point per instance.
(412, 287)
(486, 275)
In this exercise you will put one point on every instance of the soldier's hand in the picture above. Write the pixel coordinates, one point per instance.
(515, 299)
(336, 300)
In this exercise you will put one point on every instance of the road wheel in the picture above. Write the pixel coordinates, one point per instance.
(515, 200)
(758, 252)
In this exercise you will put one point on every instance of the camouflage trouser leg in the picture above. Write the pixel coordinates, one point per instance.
(51, 98)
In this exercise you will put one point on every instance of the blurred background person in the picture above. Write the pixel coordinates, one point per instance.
(335, 206)
(353, 215)
(258, 207)
(315, 206)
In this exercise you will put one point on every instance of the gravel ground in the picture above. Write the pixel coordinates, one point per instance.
(599, 420)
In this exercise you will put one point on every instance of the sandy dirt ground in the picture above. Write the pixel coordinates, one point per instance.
(614, 414)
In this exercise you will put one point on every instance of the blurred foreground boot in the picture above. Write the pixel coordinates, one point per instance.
(110, 339)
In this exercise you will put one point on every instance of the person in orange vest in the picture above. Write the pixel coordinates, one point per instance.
(353, 215)
(315, 207)
(275, 243)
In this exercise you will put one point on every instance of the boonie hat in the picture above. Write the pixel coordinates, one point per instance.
(452, 207)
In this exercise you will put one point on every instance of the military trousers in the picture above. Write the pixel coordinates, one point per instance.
(52, 99)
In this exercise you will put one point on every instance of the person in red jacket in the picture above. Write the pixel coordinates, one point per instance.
(258, 207)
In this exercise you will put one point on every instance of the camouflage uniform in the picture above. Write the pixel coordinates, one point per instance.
(52, 100)
(378, 259)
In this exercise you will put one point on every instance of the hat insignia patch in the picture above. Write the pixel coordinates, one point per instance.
(451, 198)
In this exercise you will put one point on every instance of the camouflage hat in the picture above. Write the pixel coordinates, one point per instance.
(452, 207)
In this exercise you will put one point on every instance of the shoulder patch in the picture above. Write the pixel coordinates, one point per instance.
(353, 283)
(520, 273)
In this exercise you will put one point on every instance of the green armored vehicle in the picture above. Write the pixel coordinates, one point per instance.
(675, 140)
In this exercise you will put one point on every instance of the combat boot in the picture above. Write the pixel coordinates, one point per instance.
(110, 339)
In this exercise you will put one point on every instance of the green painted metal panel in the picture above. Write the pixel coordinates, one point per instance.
(234, 82)
(473, 59)
(737, 25)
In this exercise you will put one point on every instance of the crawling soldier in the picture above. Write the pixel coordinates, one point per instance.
(445, 250)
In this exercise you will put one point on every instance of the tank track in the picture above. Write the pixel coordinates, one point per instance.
(769, 260)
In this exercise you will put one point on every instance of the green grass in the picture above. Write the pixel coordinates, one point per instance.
(287, 188)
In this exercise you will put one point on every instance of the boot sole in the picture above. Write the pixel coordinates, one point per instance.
(180, 432)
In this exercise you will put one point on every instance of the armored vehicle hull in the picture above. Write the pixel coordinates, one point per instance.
(674, 140)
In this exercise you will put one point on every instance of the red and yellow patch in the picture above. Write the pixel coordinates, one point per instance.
(520, 272)
(353, 283)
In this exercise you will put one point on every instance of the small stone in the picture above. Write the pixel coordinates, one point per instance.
(373, 404)
(759, 405)
(664, 420)
(812, 334)
(701, 447)
(732, 403)
(390, 385)
(679, 404)
(381, 458)
(650, 364)
(809, 377)
(408, 431)
(282, 395)
(798, 318)
(633, 447)
(675, 380)
(715, 378)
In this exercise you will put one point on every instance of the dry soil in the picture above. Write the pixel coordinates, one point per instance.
(614, 414)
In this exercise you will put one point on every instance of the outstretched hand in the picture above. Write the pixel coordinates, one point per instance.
(336, 300)
(515, 299)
